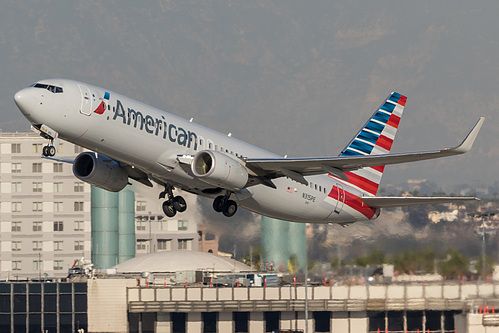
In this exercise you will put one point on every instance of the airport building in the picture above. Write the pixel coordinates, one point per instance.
(160, 301)
(45, 214)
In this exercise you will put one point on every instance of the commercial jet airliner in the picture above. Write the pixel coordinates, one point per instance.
(131, 140)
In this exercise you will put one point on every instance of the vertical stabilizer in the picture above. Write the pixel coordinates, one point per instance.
(375, 138)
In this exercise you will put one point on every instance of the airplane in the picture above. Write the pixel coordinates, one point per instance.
(130, 140)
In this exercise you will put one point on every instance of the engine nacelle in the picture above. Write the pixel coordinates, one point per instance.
(100, 171)
(219, 170)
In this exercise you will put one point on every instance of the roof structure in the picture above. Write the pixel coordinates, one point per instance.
(181, 260)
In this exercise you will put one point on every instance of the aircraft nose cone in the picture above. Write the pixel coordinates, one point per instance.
(24, 100)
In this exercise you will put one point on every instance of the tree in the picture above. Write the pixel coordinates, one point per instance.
(489, 266)
(455, 266)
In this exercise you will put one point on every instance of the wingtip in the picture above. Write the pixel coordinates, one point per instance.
(467, 143)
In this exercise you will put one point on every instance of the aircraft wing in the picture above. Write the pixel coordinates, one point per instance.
(385, 202)
(296, 168)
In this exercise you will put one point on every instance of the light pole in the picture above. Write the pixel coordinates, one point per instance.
(483, 216)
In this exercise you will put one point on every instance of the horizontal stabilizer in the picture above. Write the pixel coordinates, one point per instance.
(386, 202)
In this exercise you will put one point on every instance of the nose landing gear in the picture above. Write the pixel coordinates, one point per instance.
(222, 204)
(51, 149)
(174, 204)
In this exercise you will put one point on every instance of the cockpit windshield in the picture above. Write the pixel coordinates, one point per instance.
(51, 88)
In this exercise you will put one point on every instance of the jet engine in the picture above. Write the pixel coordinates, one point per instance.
(100, 171)
(219, 170)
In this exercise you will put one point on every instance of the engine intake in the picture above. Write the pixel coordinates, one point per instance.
(100, 171)
(219, 170)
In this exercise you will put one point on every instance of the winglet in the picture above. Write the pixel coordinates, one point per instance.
(467, 143)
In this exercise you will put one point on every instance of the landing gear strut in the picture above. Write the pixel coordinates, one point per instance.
(174, 204)
(49, 150)
(223, 205)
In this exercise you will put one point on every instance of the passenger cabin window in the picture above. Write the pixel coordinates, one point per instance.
(51, 88)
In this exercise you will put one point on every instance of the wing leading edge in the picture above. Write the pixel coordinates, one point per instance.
(336, 166)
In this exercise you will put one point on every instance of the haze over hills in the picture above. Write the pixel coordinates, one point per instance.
(296, 78)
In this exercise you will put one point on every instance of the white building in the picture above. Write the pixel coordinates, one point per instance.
(45, 220)
(44, 210)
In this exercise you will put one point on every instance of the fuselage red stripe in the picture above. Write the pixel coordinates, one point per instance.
(354, 202)
(362, 182)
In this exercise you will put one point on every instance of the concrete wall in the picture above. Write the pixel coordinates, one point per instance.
(107, 304)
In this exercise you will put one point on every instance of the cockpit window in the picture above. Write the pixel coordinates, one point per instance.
(53, 89)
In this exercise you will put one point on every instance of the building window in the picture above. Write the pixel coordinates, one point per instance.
(322, 320)
(209, 321)
(79, 246)
(16, 265)
(37, 206)
(58, 187)
(57, 167)
(16, 207)
(79, 206)
(37, 226)
(16, 148)
(37, 148)
(79, 187)
(164, 244)
(16, 226)
(140, 225)
(37, 167)
(37, 186)
(162, 225)
(184, 244)
(182, 224)
(37, 245)
(78, 149)
(58, 206)
(241, 320)
(37, 265)
(58, 245)
(16, 168)
(79, 226)
(58, 265)
(271, 321)
(16, 246)
(16, 187)
(58, 226)
(140, 206)
(141, 245)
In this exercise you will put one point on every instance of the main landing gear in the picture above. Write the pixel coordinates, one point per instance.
(222, 204)
(174, 204)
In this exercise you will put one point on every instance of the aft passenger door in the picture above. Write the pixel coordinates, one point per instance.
(86, 100)
(341, 198)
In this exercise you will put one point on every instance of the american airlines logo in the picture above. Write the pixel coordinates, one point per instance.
(153, 126)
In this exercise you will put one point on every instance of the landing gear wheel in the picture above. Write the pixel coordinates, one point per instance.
(169, 209)
(179, 204)
(229, 208)
(45, 151)
(51, 151)
(218, 204)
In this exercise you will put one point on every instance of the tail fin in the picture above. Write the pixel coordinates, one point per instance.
(375, 138)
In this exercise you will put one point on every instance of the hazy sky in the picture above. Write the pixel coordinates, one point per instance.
(294, 77)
